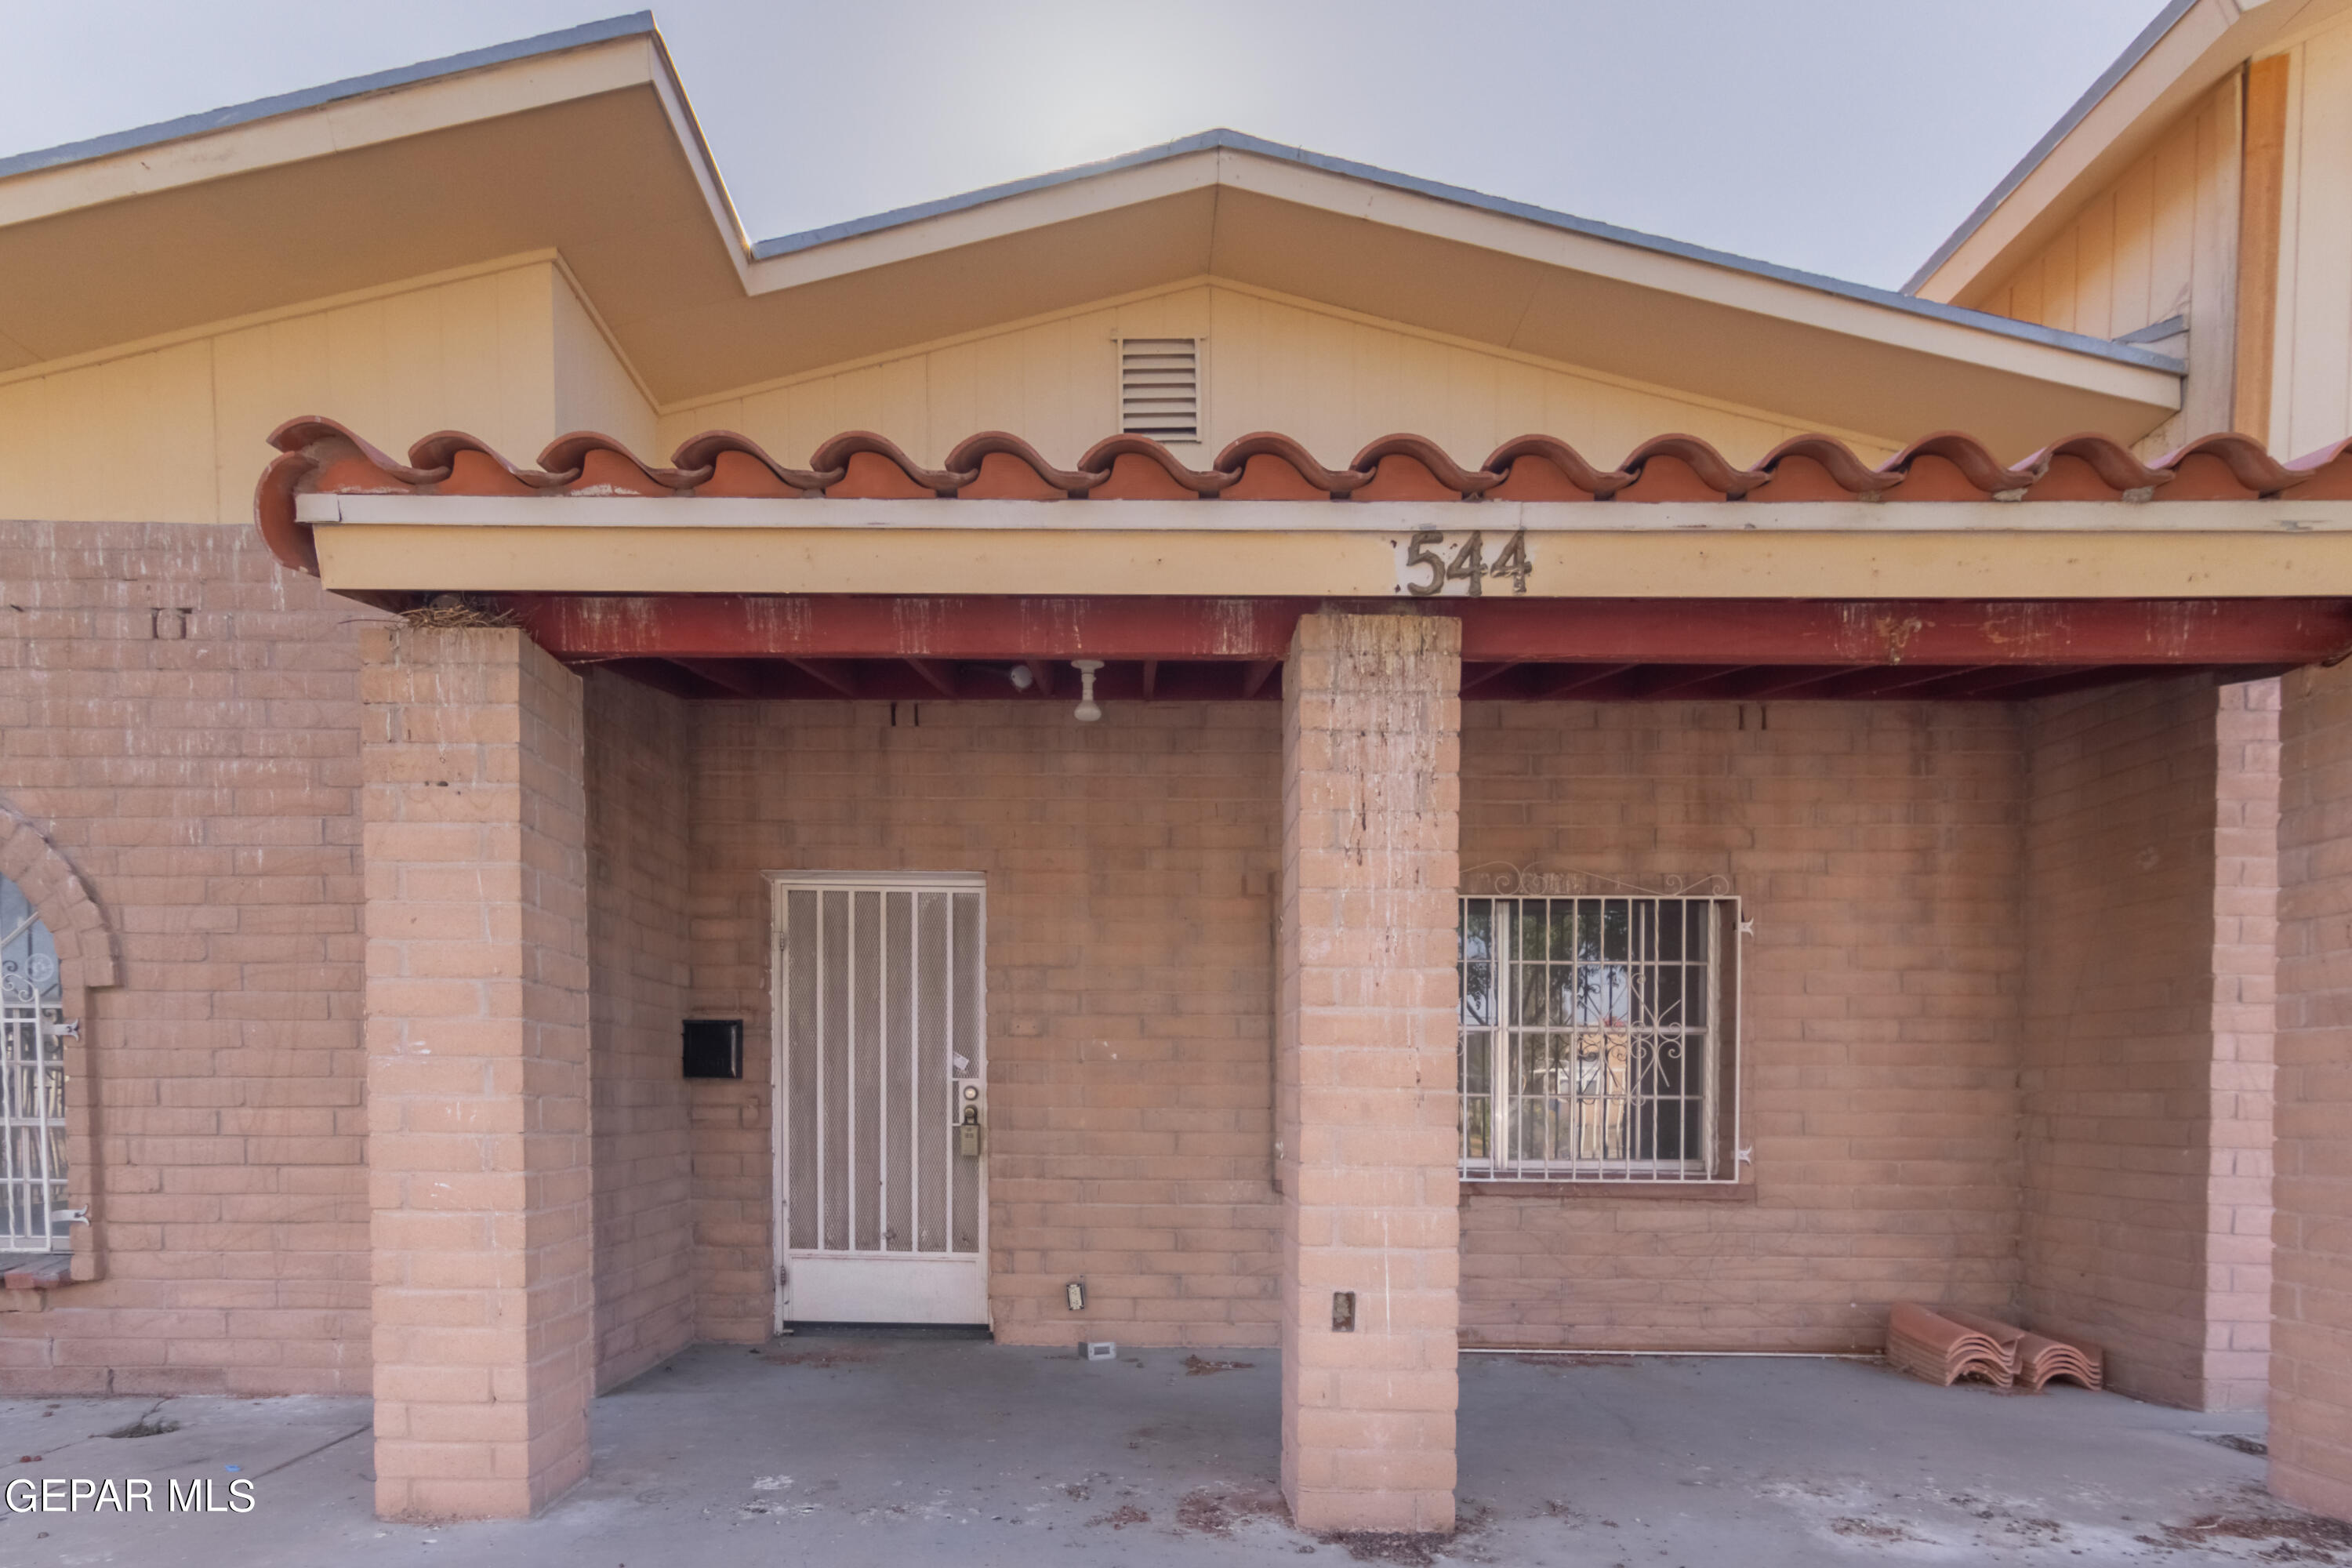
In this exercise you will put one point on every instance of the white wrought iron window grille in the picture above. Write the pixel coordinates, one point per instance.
(33, 1214)
(1599, 1038)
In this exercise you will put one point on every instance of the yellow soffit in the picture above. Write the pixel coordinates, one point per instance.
(1810, 549)
(592, 152)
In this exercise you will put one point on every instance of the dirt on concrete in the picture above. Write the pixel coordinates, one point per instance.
(2288, 1535)
(1198, 1366)
(870, 1450)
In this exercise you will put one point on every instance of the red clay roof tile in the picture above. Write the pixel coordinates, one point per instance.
(1538, 467)
(1684, 467)
(1010, 469)
(319, 455)
(1136, 468)
(876, 470)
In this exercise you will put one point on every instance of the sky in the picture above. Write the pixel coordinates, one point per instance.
(1841, 136)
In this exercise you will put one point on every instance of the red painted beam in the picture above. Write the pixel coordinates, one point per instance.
(1921, 631)
(1722, 632)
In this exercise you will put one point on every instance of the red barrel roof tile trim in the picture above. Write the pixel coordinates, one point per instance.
(318, 455)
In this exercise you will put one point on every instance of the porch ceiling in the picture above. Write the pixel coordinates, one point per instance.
(1173, 680)
(906, 649)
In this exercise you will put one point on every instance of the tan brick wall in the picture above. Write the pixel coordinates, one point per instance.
(639, 952)
(1128, 990)
(2138, 1158)
(2238, 1213)
(205, 787)
(2310, 1346)
(1365, 1074)
(477, 1037)
(1876, 846)
(181, 720)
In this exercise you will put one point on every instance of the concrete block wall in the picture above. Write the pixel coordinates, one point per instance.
(639, 951)
(477, 1037)
(2241, 1166)
(1879, 849)
(1366, 1032)
(1876, 848)
(2143, 1194)
(205, 787)
(180, 719)
(2311, 1345)
(1129, 1000)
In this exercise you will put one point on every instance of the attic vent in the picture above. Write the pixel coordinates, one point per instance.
(1159, 388)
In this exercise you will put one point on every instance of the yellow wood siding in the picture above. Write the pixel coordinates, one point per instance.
(593, 390)
(2160, 241)
(131, 439)
(2311, 382)
(511, 354)
(1333, 379)
(479, 353)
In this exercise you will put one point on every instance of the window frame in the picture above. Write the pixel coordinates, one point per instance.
(35, 1107)
(1715, 1163)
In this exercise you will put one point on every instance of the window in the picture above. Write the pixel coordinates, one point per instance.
(32, 1082)
(1598, 1037)
(1159, 388)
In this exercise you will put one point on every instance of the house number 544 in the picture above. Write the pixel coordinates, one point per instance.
(1431, 563)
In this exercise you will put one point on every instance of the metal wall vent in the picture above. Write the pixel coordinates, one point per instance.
(1159, 388)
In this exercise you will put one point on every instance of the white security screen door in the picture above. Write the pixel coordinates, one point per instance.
(881, 1061)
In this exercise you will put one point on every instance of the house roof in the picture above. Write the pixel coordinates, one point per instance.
(381, 178)
(2184, 51)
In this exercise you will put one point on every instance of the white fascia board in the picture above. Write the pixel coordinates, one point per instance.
(687, 129)
(388, 115)
(1061, 202)
(1339, 518)
(2016, 348)
(1996, 345)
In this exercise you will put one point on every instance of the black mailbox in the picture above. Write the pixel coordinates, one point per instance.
(714, 1047)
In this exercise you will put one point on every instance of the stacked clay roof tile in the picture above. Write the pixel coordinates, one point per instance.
(1945, 1344)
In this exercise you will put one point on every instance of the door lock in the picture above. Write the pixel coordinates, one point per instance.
(967, 1118)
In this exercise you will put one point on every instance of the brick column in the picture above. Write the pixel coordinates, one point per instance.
(2310, 1293)
(1366, 1069)
(2150, 890)
(477, 1072)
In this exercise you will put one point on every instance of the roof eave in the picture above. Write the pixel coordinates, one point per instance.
(2187, 49)
(790, 261)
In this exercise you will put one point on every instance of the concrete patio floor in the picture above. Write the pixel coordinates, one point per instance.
(881, 1451)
